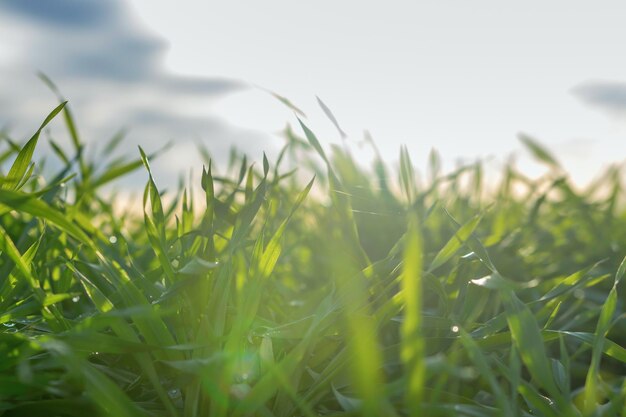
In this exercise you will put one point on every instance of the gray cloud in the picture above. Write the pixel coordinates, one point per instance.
(199, 86)
(124, 57)
(111, 71)
(94, 39)
(75, 14)
(609, 96)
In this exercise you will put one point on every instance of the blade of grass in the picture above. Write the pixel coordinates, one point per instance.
(412, 338)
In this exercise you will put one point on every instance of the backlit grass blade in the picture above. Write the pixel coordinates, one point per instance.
(314, 142)
(413, 344)
(67, 115)
(331, 117)
(591, 393)
(527, 338)
(155, 221)
(273, 249)
(366, 364)
(455, 243)
(24, 157)
(116, 172)
(538, 151)
(569, 283)
(266, 165)
(621, 271)
(267, 259)
(407, 175)
(480, 252)
(8, 247)
(27, 203)
(286, 102)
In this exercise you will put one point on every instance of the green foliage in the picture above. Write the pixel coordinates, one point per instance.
(359, 293)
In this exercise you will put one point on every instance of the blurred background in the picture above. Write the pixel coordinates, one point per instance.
(462, 77)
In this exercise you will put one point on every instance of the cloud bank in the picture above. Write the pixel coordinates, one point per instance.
(111, 70)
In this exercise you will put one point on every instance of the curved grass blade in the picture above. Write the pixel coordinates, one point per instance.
(24, 157)
(331, 116)
(30, 204)
(538, 151)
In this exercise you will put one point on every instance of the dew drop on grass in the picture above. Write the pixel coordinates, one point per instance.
(75, 299)
(174, 393)
(455, 329)
(113, 239)
(9, 324)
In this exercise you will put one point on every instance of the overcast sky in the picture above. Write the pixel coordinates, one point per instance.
(463, 77)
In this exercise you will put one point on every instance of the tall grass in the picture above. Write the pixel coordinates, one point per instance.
(380, 294)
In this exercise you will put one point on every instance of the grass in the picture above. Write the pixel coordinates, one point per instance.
(377, 294)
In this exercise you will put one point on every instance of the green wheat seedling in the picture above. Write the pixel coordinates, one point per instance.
(376, 294)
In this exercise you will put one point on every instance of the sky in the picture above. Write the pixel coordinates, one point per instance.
(461, 77)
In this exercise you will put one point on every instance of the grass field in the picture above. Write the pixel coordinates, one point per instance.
(381, 292)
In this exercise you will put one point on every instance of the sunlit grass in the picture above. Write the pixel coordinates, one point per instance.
(376, 294)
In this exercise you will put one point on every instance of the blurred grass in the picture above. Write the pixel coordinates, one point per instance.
(376, 294)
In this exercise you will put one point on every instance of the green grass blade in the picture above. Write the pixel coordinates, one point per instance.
(412, 339)
(455, 243)
(538, 151)
(527, 337)
(24, 157)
